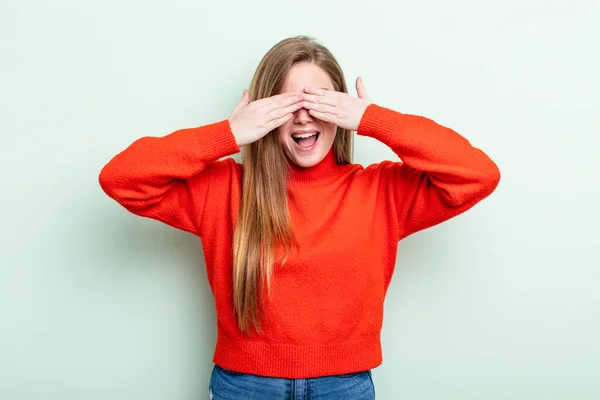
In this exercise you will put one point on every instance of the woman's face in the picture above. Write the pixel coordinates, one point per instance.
(311, 148)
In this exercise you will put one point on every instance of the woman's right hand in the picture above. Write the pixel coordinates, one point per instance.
(251, 121)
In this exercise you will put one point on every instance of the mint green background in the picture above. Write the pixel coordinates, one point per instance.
(502, 302)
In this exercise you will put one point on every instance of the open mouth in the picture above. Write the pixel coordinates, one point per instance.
(306, 141)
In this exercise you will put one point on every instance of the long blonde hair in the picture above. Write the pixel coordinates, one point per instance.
(263, 221)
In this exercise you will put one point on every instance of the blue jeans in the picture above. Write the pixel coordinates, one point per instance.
(229, 385)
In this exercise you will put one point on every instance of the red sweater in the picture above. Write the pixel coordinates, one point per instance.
(327, 308)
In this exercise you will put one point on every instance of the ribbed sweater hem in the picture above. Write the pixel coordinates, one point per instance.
(297, 361)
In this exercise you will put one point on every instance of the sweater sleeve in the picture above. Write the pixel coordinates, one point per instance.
(167, 178)
(441, 174)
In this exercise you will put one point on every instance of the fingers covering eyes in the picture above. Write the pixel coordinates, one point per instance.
(324, 108)
(320, 99)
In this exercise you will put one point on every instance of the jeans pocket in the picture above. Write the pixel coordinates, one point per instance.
(228, 371)
(350, 374)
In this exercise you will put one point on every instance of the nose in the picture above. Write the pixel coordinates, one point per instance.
(302, 117)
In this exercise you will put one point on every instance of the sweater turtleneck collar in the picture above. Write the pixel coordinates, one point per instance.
(324, 172)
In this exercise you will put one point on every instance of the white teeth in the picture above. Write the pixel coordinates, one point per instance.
(304, 135)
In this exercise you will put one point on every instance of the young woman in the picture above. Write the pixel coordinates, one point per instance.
(300, 243)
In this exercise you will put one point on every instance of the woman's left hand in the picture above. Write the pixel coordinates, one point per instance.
(339, 108)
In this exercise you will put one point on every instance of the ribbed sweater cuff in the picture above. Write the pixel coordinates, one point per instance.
(379, 123)
(216, 140)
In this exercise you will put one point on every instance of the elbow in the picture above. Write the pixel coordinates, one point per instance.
(491, 178)
(108, 182)
(120, 188)
(483, 183)
(487, 182)
(112, 185)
